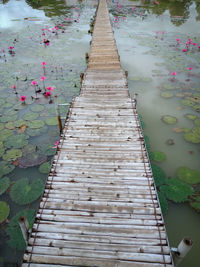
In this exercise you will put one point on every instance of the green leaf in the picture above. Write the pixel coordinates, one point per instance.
(188, 175)
(163, 202)
(24, 192)
(52, 121)
(35, 124)
(45, 167)
(169, 119)
(4, 184)
(12, 154)
(159, 175)
(158, 156)
(30, 116)
(4, 211)
(5, 168)
(16, 141)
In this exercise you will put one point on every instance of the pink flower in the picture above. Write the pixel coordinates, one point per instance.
(61, 25)
(190, 68)
(10, 47)
(50, 88)
(48, 94)
(163, 32)
(173, 73)
(34, 82)
(184, 50)
(199, 47)
(43, 63)
(178, 40)
(22, 98)
(56, 28)
(56, 144)
(42, 78)
(2, 50)
(43, 29)
(194, 44)
(55, 67)
(14, 86)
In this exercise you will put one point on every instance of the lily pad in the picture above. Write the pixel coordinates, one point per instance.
(31, 160)
(159, 175)
(8, 118)
(168, 86)
(30, 116)
(10, 125)
(16, 240)
(193, 136)
(4, 134)
(4, 184)
(2, 149)
(4, 211)
(5, 168)
(195, 205)
(30, 148)
(16, 141)
(197, 122)
(37, 132)
(158, 156)
(35, 124)
(1, 126)
(37, 108)
(12, 154)
(52, 121)
(163, 202)
(188, 175)
(167, 95)
(169, 119)
(46, 149)
(45, 167)
(19, 123)
(190, 116)
(177, 190)
(23, 191)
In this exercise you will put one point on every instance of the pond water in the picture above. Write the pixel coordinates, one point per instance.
(43, 45)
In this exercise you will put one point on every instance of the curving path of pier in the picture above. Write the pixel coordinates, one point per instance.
(100, 206)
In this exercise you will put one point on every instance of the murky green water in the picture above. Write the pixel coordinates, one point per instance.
(146, 34)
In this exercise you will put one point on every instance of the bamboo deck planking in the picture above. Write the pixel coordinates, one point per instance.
(100, 206)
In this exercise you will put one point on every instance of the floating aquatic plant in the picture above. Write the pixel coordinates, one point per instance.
(45, 167)
(31, 159)
(46, 149)
(37, 108)
(37, 132)
(5, 168)
(176, 190)
(16, 141)
(4, 211)
(13, 230)
(4, 134)
(158, 156)
(195, 201)
(30, 116)
(159, 175)
(193, 135)
(167, 95)
(2, 149)
(12, 154)
(190, 116)
(188, 175)
(4, 184)
(35, 124)
(51, 121)
(163, 202)
(23, 191)
(169, 119)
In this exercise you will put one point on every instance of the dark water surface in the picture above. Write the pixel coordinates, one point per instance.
(147, 35)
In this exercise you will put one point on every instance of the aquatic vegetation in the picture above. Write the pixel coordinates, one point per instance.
(45, 167)
(37, 132)
(35, 124)
(46, 149)
(2, 149)
(4, 184)
(169, 119)
(30, 116)
(167, 94)
(5, 168)
(12, 154)
(31, 159)
(193, 135)
(190, 116)
(37, 108)
(170, 142)
(176, 190)
(13, 230)
(195, 201)
(23, 98)
(24, 192)
(16, 141)
(4, 211)
(188, 175)
(158, 156)
(52, 121)
(159, 175)
(163, 202)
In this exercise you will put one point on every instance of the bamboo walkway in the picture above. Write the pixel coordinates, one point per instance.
(100, 205)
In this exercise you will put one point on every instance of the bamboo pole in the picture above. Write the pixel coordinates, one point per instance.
(58, 114)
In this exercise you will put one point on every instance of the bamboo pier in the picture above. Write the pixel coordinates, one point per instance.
(100, 206)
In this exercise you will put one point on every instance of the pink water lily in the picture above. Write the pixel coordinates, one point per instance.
(50, 88)
(42, 78)
(43, 63)
(34, 82)
(56, 144)
(11, 47)
(173, 73)
(48, 94)
(190, 68)
(14, 86)
(184, 50)
(163, 32)
(178, 40)
(194, 44)
(22, 98)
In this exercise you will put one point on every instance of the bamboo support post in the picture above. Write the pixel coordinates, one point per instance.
(58, 113)
(183, 248)
(24, 226)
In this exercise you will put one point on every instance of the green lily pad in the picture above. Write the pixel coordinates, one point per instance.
(195, 205)
(12, 154)
(52, 121)
(4, 211)
(169, 119)
(158, 156)
(45, 167)
(10, 125)
(31, 160)
(187, 102)
(2, 149)
(4, 184)
(37, 132)
(46, 149)
(1, 126)
(5, 168)
(197, 122)
(4, 134)
(167, 95)
(168, 86)
(30, 148)
(193, 136)
(35, 124)
(23, 191)
(8, 118)
(159, 175)
(188, 175)
(16, 141)
(177, 190)
(30, 116)
(19, 123)
(37, 108)
(13, 230)
(163, 202)
(147, 142)
(190, 116)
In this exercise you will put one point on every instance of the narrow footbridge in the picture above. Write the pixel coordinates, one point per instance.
(100, 206)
